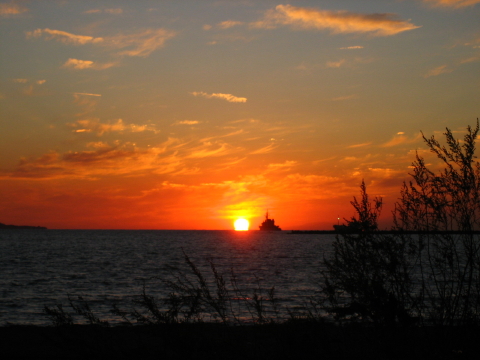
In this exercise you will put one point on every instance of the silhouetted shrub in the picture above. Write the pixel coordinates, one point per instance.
(428, 269)
(444, 207)
(368, 277)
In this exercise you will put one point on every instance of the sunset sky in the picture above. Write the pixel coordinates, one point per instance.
(190, 114)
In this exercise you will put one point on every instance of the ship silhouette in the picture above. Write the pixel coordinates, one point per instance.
(269, 225)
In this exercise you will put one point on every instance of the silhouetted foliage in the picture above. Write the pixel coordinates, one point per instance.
(193, 298)
(368, 277)
(367, 212)
(444, 207)
(57, 315)
(429, 269)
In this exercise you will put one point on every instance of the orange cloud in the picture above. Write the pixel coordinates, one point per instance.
(400, 138)
(228, 24)
(120, 159)
(85, 94)
(86, 101)
(85, 64)
(138, 44)
(347, 97)
(443, 69)
(351, 47)
(170, 157)
(359, 145)
(142, 43)
(208, 149)
(336, 64)
(31, 88)
(65, 37)
(227, 97)
(11, 9)
(470, 59)
(286, 166)
(78, 64)
(24, 81)
(94, 125)
(338, 22)
(108, 11)
(452, 3)
(264, 150)
(187, 122)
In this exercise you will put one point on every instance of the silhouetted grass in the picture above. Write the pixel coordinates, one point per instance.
(202, 317)
(192, 298)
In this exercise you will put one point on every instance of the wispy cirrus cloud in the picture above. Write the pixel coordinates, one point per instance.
(335, 64)
(100, 159)
(78, 64)
(346, 97)
(452, 3)
(64, 37)
(265, 149)
(360, 145)
(11, 9)
(401, 138)
(210, 150)
(226, 97)
(475, 43)
(470, 59)
(116, 11)
(85, 94)
(30, 86)
(24, 81)
(229, 24)
(173, 156)
(285, 166)
(442, 69)
(338, 22)
(351, 47)
(94, 125)
(187, 122)
(141, 44)
(86, 101)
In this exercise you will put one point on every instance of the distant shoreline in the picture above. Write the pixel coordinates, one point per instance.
(3, 226)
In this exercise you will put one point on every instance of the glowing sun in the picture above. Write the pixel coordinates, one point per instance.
(241, 225)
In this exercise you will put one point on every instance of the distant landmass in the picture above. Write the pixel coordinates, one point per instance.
(3, 226)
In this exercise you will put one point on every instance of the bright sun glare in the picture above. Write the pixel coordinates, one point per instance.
(241, 225)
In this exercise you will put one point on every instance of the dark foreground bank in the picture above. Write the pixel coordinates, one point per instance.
(215, 341)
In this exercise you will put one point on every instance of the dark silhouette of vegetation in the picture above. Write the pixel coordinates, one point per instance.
(444, 202)
(192, 298)
(368, 277)
(404, 278)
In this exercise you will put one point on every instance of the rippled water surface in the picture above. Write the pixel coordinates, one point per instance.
(41, 267)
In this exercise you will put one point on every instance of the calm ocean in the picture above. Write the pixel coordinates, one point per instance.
(43, 267)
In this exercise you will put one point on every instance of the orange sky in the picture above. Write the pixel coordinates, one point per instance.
(188, 115)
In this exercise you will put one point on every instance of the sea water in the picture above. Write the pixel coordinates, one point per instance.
(45, 267)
